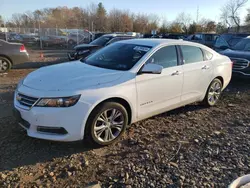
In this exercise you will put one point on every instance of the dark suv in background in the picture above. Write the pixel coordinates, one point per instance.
(240, 56)
(207, 39)
(228, 40)
(83, 50)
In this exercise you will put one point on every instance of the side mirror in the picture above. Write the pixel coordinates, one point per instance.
(151, 69)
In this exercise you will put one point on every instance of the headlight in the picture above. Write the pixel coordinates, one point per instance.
(58, 102)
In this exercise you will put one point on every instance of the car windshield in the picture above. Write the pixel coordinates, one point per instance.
(118, 56)
(101, 41)
(243, 45)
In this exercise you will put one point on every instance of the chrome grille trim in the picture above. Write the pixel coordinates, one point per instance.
(26, 100)
(239, 63)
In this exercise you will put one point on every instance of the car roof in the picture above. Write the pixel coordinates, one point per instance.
(157, 42)
(117, 35)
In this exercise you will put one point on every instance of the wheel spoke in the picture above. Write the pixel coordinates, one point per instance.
(117, 125)
(111, 136)
(211, 98)
(106, 135)
(99, 130)
(115, 114)
(103, 117)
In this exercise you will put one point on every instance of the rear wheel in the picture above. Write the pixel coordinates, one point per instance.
(5, 64)
(213, 93)
(107, 123)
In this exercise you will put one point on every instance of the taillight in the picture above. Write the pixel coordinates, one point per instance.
(22, 49)
(232, 63)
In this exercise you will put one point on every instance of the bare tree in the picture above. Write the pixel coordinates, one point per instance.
(17, 19)
(247, 18)
(184, 20)
(230, 12)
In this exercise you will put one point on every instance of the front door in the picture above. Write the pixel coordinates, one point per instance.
(157, 93)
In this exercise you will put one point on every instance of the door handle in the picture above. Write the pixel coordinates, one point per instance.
(176, 73)
(205, 67)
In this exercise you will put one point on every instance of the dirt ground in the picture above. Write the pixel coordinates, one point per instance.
(192, 146)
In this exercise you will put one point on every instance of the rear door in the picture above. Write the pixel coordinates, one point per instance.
(197, 70)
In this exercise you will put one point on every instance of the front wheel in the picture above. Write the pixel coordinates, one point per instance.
(213, 93)
(107, 123)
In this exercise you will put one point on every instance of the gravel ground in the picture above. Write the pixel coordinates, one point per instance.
(192, 146)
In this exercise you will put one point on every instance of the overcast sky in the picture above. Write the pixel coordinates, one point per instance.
(163, 8)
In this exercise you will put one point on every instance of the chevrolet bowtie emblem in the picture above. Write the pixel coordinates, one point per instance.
(18, 97)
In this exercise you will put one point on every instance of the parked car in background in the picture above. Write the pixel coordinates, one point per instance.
(97, 35)
(173, 36)
(2, 35)
(77, 38)
(240, 56)
(24, 39)
(207, 39)
(53, 41)
(128, 81)
(11, 54)
(228, 40)
(83, 50)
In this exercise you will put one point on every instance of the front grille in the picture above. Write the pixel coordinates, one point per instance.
(239, 64)
(26, 100)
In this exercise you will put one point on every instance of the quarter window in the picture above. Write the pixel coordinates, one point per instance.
(207, 55)
(191, 54)
(166, 57)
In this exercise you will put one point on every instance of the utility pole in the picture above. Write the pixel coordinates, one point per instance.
(197, 14)
(6, 30)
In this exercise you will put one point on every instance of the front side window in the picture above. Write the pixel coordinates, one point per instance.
(210, 37)
(220, 42)
(166, 57)
(101, 41)
(191, 54)
(117, 56)
(114, 40)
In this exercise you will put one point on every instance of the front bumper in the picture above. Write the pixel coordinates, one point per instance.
(242, 72)
(71, 119)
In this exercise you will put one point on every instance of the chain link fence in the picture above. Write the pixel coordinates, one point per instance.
(46, 38)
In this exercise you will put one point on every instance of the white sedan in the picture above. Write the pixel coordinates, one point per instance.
(128, 81)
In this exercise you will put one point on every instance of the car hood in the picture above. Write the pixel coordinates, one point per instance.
(70, 76)
(85, 46)
(236, 54)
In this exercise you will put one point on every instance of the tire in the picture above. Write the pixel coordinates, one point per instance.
(97, 119)
(213, 93)
(5, 64)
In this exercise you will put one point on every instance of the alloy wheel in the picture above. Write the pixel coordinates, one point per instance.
(109, 125)
(4, 65)
(214, 92)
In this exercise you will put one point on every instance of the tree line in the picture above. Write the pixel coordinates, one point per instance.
(95, 17)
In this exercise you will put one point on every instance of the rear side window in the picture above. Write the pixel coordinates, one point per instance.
(207, 55)
(191, 54)
(166, 57)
